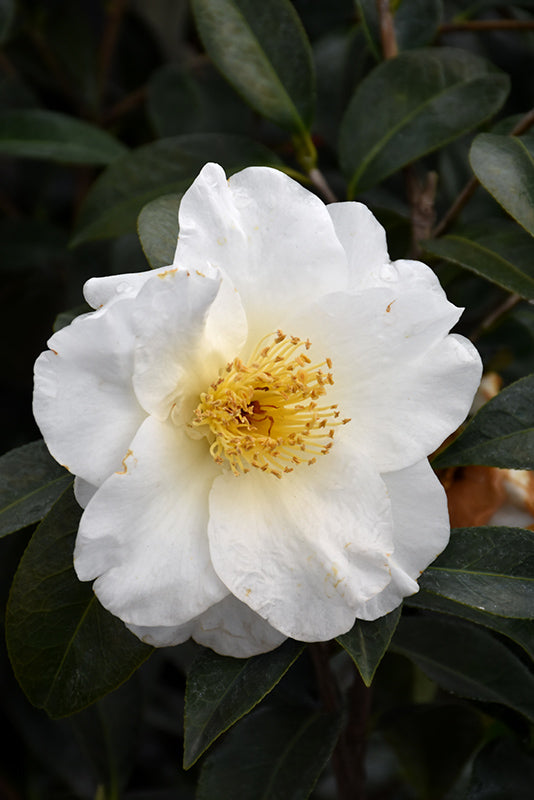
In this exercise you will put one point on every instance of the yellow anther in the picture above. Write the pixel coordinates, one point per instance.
(263, 413)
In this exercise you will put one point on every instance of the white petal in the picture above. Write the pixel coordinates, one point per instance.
(83, 400)
(421, 531)
(305, 550)
(364, 241)
(401, 380)
(144, 533)
(83, 491)
(272, 238)
(230, 628)
(179, 348)
(99, 292)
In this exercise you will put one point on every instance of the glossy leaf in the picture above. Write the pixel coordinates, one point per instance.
(108, 732)
(489, 568)
(35, 133)
(467, 660)
(66, 650)
(263, 51)
(387, 126)
(501, 434)
(274, 754)
(504, 165)
(157, 227)
(220, 690)
(505, 260)
(30, 483)
(418, 734)
(503, 769)
(163, 167)
(520, 631)
(367, 642)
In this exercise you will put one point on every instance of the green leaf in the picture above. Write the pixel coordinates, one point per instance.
(417, 734)
(275, 754)
(108, 731)
(501, 434)
(220, 690)
(263, 51)
(466, 660)
(413, 104)
(30, 483)
(504, 165)
(163, 167)
(367, 642)
(489, 568)
(506, 259)
(35, 133)
(7, 14)
(66, 650)
(503, 769)
(415, 23)
(157, 227)
(520, 631)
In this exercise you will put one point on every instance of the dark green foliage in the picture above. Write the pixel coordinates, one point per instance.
(108, 111)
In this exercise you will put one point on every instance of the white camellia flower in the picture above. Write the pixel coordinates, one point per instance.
(249, 427)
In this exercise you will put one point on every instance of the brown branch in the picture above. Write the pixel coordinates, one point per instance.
(494, 315)
(128, 103)
(387, 29)
(319, 181)
(487, 25)
(109, 40)
(6, 65)
(349, 754)
(421, 196)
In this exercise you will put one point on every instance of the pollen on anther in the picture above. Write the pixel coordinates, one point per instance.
(263, 413)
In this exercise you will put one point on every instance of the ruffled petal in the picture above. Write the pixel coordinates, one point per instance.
(187, 326)
(421, 531)
(364, 240)
(230, 628)
(84, 401)
(303, 551)
(143, 536)
(404, 383)
(273, 239)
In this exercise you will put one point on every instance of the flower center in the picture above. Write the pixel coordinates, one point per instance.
(266, 413)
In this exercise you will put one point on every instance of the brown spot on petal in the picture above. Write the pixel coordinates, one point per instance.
(388, 309)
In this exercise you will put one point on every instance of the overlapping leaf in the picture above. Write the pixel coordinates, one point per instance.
(30, 483)
(504, 165)
(504, 256)
(66, 650)
(367, 642)
(489, 568)
(501, 434)
(520, 631)
(404, 109)
(275, 754)
(38, 133)
(263, 51)
(157, 227)
(221, 690)
(163, 167)
(467, 660)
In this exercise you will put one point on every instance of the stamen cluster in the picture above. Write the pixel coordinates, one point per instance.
(265, 413)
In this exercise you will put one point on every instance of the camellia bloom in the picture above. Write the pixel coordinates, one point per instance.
(249, 427)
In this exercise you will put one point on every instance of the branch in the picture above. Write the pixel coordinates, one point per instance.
(487, 25)
(349, 754)
(387, 29)
(109, 41)
(469, 189)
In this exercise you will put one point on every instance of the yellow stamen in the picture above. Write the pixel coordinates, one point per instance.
(262, 413)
